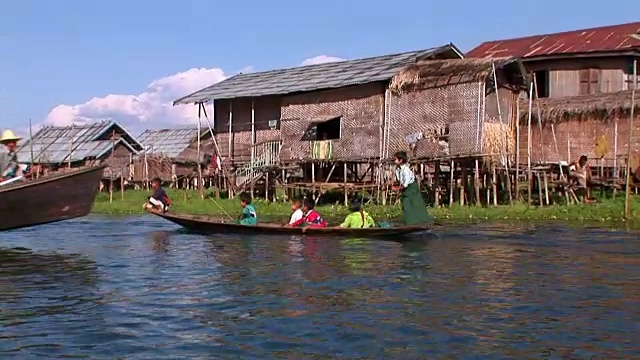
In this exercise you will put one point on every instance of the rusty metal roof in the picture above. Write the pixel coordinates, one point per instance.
(613, 38)
(313, 77)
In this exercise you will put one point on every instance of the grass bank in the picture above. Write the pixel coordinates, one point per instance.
(605, 210)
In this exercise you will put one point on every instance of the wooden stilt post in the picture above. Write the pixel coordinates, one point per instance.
(452, 182)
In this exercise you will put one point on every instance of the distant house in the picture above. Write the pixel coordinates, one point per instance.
(572, 63)
(105, 142)
(172, 153)
(593, 125)
(333, 112)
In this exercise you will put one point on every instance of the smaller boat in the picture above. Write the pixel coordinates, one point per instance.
(213, 225)
(49, 199)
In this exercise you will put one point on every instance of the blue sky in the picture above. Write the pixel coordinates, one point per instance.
(68, 52)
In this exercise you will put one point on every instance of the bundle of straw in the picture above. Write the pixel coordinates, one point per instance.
(497, 139)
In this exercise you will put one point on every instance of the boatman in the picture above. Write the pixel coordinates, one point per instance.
(10, 167)
(414, 209)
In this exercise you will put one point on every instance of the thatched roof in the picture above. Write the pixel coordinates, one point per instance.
(435, 73)
(604, 107)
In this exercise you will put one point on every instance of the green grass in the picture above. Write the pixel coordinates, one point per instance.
(605, 210)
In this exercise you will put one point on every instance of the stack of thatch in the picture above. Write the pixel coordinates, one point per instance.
(434, 73)
(603, 107)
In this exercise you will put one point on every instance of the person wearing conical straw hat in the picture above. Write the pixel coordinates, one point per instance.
(10, 166)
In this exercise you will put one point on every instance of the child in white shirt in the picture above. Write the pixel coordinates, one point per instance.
(296, 206)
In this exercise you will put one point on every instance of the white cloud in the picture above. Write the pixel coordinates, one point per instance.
(153, 107)
(321, 59)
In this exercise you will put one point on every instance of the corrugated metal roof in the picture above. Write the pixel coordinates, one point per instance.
(53, 145)
(601, 39)
(312, 77)
(167, 142)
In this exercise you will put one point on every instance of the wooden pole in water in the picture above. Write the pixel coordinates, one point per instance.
(200, 187)
(627, 196)
(517, 176)
(252, 165)
(146, 169)
(615, 157)
(451, 182)
(113, 145)
(529, 179)
(70, 146)
(31, 146)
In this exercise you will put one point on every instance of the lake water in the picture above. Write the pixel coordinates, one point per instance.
(141, 288)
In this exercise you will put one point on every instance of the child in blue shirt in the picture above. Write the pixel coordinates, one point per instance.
(248, 215)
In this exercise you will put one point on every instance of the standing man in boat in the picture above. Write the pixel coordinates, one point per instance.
(414, 209)
(10, 166)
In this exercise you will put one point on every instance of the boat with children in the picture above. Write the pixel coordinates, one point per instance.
(215, 225)
(305, 220)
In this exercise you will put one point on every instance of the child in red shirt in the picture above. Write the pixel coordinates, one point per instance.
(311, 218)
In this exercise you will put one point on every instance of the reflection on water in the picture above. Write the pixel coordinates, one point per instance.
(143, 288)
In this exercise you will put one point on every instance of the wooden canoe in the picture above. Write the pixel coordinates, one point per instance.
(49, 199)
(213, 225)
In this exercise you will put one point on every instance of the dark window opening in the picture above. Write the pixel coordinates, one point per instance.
(629, 75)
(589, 81)
(326, 130)
(542, 83)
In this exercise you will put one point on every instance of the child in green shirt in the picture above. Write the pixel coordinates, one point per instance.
(248, 215)
(358, 218)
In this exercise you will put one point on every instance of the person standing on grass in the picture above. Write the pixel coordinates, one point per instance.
(414, 209)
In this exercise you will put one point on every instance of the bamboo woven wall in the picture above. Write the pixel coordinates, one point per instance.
(429, 112)
(575, 138)
(360, 108)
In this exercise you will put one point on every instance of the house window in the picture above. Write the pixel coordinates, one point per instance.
(329, 130)
(323, 130)
(589, 81)
(629, 75)
(542, 83)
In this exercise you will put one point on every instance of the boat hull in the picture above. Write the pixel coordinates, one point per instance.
(212, 225)
(49, 199)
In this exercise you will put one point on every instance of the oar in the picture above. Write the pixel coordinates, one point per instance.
(223, 211)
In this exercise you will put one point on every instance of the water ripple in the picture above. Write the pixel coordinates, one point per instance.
(138, 287)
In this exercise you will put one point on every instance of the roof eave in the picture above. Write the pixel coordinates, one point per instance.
(185, 99)
(590, 54)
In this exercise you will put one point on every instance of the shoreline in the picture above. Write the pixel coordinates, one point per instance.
(604, 211)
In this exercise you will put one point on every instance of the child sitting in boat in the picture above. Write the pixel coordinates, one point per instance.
(358, 217)
(311, 218)
(159, 199)
(248, 215)
(296, 207)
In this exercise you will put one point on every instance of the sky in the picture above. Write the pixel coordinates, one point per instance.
(80, 61)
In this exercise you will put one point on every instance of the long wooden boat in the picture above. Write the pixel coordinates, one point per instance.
(213, 225)
(49, 199)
